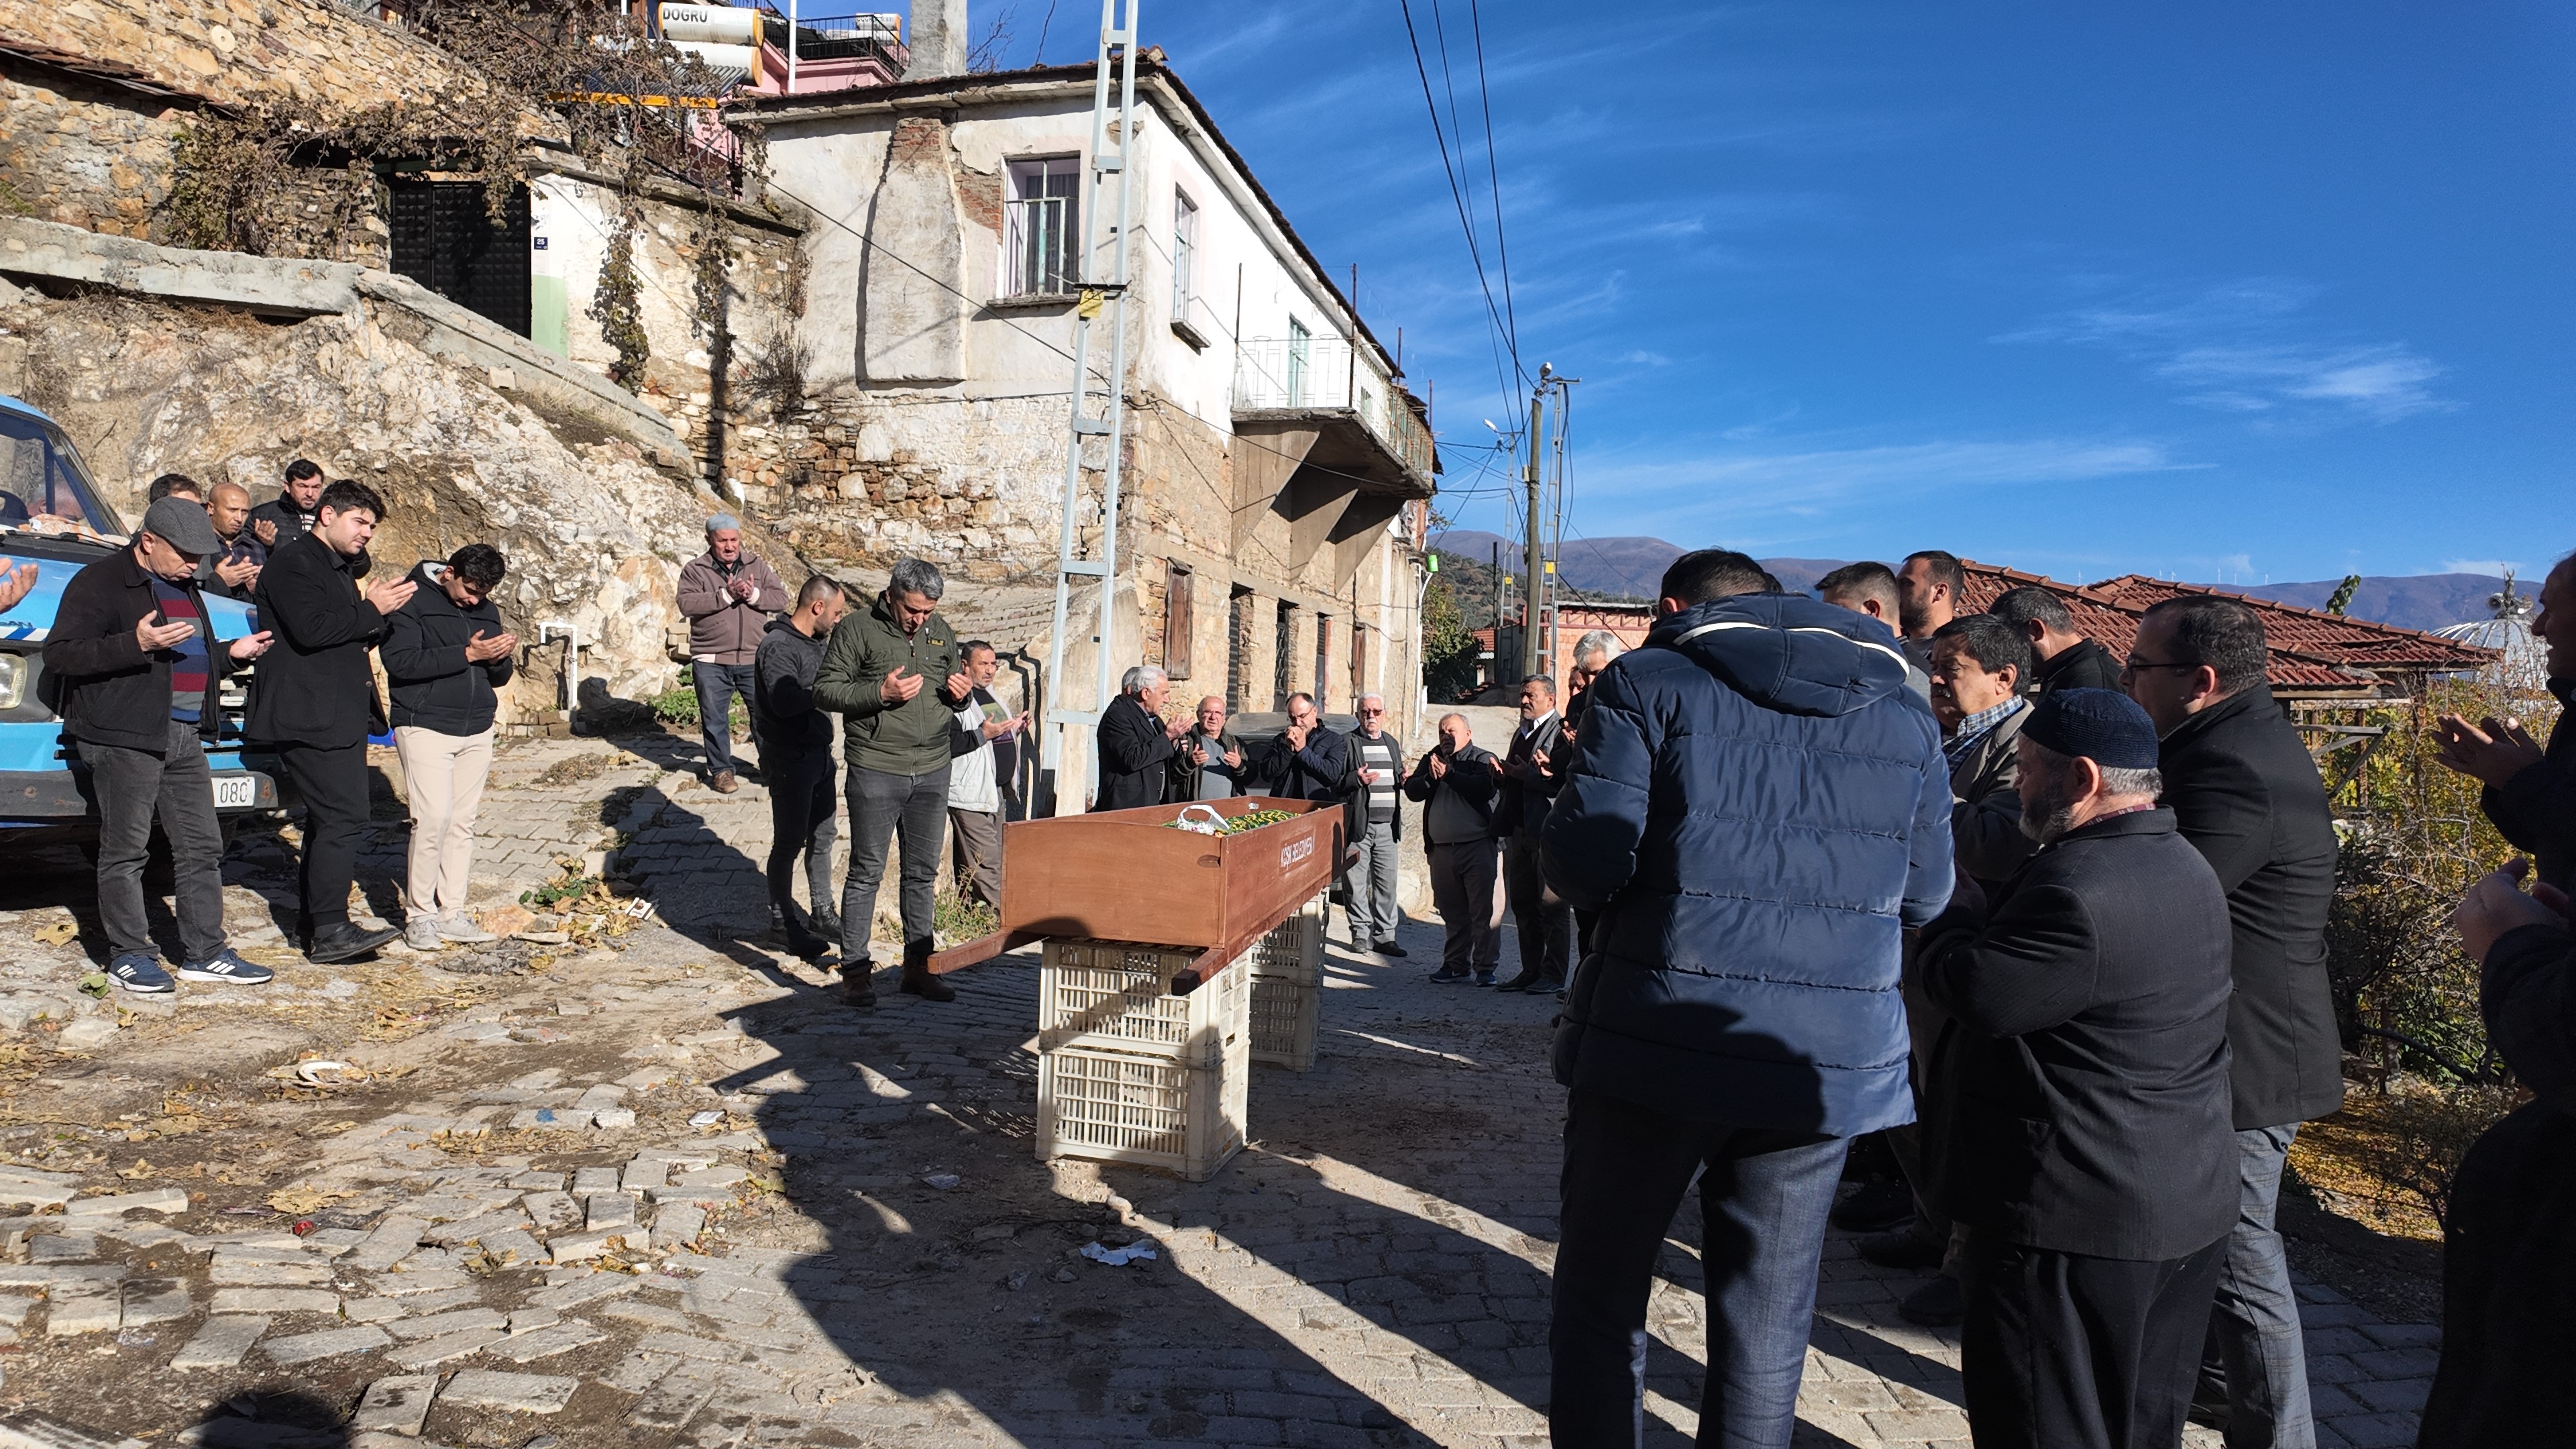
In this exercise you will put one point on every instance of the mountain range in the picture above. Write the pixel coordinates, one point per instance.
(1630, 567)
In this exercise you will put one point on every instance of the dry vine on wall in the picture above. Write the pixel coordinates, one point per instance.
(306, 183)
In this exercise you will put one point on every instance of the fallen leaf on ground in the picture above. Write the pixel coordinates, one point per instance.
(301, 1199)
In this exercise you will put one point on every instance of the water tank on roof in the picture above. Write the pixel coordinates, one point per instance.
(710, 24)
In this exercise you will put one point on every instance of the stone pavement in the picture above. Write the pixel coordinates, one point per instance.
(670, 1191)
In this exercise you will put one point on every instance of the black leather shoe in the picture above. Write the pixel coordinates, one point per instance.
(1390, 949)
(346, 941)
(1911, 1246)
(1875, 1208)
(1526, 981)
(825, 923)
(1940, 1303)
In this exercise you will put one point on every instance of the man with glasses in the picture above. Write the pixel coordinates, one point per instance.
(1308, 761)
(2246, 794)
(1373, 910)
(1208, 762)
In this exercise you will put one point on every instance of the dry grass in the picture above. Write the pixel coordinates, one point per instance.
(2387, 1159)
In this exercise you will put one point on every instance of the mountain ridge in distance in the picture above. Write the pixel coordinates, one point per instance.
(1631, 566)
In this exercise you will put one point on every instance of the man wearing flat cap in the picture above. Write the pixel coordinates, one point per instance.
(139, 664)
(2082, 1111)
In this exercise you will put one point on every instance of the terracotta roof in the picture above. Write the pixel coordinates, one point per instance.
(2313, 631)
(2313, 653)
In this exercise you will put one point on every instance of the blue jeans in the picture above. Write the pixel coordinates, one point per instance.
(1763, 1199)
(2254, 1325)
(717, 685)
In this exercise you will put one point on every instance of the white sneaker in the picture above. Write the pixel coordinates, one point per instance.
(421, 934)
(459, 927)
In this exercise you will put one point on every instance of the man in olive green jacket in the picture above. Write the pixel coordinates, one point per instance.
(877, 675)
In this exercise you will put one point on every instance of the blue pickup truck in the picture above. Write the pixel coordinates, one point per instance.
(51, 516)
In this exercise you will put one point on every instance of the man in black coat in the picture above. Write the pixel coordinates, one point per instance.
(2081, 1114)
(139, 665)
(2530, 793)
(1455, 784)
(1308, 761)
(1136, 742)
(2065, 658)
(1533, 771)
(2509, 1245)
(291, 514)
(314, 700)
(446, 656)
(2249, 798)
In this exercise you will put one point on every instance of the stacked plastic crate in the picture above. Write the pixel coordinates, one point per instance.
(1287, 987)
(1128, 1072)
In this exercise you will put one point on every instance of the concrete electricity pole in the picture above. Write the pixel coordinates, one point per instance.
(1535, 581)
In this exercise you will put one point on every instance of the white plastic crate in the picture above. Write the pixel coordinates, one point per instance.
(1150, 1111)
(1283, 1022)
(1294, 949)
(1117, 996)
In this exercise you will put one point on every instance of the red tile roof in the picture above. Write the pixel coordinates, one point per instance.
(2313, 653)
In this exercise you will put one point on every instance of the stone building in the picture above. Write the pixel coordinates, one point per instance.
(1275, 470)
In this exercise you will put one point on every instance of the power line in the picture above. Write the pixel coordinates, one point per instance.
(1458, 198)
(1493, 179)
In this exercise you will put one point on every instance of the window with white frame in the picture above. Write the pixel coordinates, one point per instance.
(1185, 252)
(1299, 348)
(1042, 231)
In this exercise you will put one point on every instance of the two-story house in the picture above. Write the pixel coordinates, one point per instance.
(1275, 467)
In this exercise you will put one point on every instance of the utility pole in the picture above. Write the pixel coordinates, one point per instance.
(1535, 582)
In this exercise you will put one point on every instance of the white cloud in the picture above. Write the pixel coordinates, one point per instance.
(2384, 382)
(2237, 347)
(1740, 488)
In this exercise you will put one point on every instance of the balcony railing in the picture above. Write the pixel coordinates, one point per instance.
(1317, 372)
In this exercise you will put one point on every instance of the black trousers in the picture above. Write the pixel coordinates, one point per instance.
(333, 782)
(1545, 924)
(2064, 1351)
(802, 802)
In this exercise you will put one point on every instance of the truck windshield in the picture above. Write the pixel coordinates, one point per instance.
(44, 488)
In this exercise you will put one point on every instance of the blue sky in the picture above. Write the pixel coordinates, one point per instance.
(2246, 292)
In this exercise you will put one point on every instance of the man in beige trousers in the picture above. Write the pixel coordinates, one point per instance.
(446, 656)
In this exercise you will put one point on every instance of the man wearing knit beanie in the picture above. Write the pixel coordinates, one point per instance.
(2081, 1111)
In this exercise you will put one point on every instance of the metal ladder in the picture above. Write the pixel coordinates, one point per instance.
(1108, 169)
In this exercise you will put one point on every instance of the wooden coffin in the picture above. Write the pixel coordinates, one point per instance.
(1126, 875)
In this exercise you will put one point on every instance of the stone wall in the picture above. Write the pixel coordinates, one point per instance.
(83, 154)
(868, 479)
(250, 52)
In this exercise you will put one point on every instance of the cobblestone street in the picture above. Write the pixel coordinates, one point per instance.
(664, 1188)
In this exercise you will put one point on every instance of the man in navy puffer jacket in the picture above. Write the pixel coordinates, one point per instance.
(1758, 807)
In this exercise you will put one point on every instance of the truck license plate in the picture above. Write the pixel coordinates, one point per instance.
(236, 792)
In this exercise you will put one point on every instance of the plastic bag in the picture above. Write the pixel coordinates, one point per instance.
(1213, 824)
